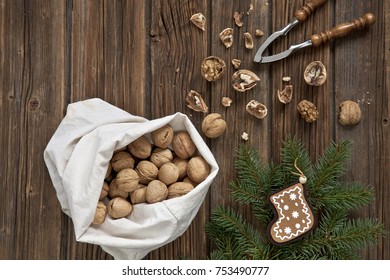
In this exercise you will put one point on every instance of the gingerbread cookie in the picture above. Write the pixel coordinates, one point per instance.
(293, 215)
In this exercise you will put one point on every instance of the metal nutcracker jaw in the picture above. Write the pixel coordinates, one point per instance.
(273, 37)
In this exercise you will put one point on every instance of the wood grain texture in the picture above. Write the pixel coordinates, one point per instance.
(144, 57)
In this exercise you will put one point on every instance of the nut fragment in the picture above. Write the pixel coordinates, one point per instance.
(141, 147)
(179, 189)
(163, 136)
(236, 63)
(286, 79)
(100, 214)
(156, 191)
(237, 18)
(308, 111)
(119, 208)
(198, 169)
(244, 80)
(127, 180)
(259, 33)
(248, 40)
(199, 20)
(213, 125)
(182, 144)
(213, 68)
(350, 113)
(256, 109)
(226, 101)
(315, 73)
(285, 96)
(168, 173)
(196, 102)
(226, 37)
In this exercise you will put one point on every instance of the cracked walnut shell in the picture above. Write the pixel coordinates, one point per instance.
(196, 102)
(308, 111)
(285, 96)
(226, 37)
(257, 109)
(248, 40)
(212, 68)
(199, 20)
(244, 80)
(315, 73)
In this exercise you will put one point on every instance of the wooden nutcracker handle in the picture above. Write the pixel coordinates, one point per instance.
(342, 29)
(303, 13)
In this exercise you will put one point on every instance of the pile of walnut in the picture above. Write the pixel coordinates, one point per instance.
(150, 172)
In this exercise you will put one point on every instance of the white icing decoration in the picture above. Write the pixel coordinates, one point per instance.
(288, 218)
(285, 207)
(305, 211)
(297, 225)
(295, 214)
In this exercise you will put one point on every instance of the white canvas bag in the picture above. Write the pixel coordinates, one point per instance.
(77, 158)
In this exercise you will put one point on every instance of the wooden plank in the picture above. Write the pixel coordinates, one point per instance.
(34, 33)
(360, 75)
(177, 49)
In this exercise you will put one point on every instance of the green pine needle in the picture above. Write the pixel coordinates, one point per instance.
(336, 235)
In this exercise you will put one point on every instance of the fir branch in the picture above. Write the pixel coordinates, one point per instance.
(331, 165)
(245, 235)
(345, 196)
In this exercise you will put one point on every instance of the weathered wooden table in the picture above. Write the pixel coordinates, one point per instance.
(144, 57)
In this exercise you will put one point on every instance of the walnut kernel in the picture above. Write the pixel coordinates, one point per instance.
(237, 18)
(308, 111)
(236, 63)
(226, 101)
(226, 37)
(259, 33)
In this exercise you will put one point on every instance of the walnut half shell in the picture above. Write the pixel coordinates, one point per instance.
(213, 68)
(285, 96)
(257, 109)
(199, 20)
(196, 102)
(248, 40)
(244, 80)
(226, 37)
(315, 73)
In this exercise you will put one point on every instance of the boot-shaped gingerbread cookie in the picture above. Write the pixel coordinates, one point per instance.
(293, 215)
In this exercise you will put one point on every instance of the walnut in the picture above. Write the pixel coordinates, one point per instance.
(248, 40)
(198, 169)
(285, 96)
(244, 80)
(127, 180)
(259, 33)
(226, 37)
(236, 63)
(163, 136)
(104, 191)
(141, 147)
(139, 195)
(182, 167)
(147, 171)
(199, 20)
(308, 111)
(226, 101)
(257, 109)
(237, 18)
(122, 160)
(108, 172)
(196, 102)
(168, 173)
(179, 189)
(188, 180)
(182, 144)
(315, 73)
(119, 208)
(212, 68)
(114, 191)
(100, 214)
(160, 156)
(350, 113)
(156, 191)
(213, 125)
